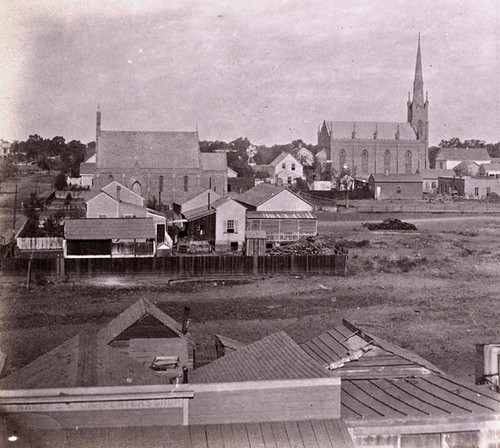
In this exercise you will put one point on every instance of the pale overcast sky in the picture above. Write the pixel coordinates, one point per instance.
(269, 70)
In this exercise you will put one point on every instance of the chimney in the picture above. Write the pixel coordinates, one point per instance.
(208, 201)
(184, 375)
(118, 192)
(185, 322)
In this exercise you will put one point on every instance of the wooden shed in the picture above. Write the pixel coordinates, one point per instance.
(255, 242)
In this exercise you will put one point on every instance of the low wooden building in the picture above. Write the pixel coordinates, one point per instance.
(255, 242)
(396, 186)
(469, 187)
(110, 238)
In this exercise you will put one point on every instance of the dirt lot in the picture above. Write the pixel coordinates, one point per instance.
(434, 291)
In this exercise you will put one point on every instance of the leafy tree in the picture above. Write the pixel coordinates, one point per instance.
(32, 212)
(60, 181)
(240, 145)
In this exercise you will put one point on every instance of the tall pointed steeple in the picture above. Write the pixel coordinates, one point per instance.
(418, 82)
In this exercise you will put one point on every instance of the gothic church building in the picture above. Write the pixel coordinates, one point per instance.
(366, 148)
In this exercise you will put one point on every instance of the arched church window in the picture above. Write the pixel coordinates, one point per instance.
(186, 183)
(387, 162)
(160, 184)
(342, 159)
(408, 162)
(136, 188)
(364, 162)
(111, 178)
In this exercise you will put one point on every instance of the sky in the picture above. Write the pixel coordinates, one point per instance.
(268, 70)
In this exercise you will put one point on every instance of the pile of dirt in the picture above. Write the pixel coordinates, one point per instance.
(390, 224)
(307, 246)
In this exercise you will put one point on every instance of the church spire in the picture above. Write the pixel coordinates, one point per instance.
(418, 82)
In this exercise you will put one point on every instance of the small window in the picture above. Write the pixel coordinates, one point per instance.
(399, 189)
(186, 183)
(234, 246)
(102, 216)
(283, 165)
(293, 166)
(289, 180)
(476, 191)
(128, 216)
(230, 226)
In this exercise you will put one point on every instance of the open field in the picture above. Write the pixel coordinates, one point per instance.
(434, 291)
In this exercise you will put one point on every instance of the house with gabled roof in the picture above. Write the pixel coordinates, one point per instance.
(389, 395)
(120, 353)
(285, 169)
(449, 158)
(430, 178)
(280, 212)
(157, 164)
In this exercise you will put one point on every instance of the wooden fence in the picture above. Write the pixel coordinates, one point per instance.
(183, 266)
(452, 207)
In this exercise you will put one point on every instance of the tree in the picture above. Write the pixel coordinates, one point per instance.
(32, 212)
(240, 145)
(60, 181)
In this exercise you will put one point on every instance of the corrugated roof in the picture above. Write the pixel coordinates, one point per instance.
(213, 161)
(365, 130)
(480, 154)
(281, 215)
(274, 357)
(126, 149)
(399, 178)
(256, 234)
(112, 228)
(288, 434)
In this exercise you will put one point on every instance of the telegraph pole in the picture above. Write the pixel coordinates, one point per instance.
(15, 209)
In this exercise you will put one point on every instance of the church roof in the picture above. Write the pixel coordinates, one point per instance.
(366, 130)
(213, 161)
(126, 149)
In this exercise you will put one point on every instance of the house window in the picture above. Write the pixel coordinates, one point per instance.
(289, 180)
(128, 216)
(476, 191)
(186, 183)
(234, 245)
(200, 228)
(283, 166)
(103, 215)
(387, 162)
(293, 166)
(230, 227)
(399, 189)
(160, 233)
(408, 162)
(364, 162)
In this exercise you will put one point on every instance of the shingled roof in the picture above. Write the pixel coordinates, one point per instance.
(274, 357)
(126, 149)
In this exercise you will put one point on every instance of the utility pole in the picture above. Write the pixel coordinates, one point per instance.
(15, 209)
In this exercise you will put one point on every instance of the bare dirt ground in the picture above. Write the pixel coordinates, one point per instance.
(434, 291)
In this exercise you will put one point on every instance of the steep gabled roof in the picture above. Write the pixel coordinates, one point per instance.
(166, 150)
(88, 360)
(282, 157)
(261, 193)
(366, 130)
(109, 228)
(213, 161)
(480, 154)
(274, 357)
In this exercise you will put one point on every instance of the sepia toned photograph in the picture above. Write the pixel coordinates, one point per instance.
(250, 224)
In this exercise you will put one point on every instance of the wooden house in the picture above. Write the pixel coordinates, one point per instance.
(229, 224)
(120, 353)
(110, 238)
(449, 158)
(430, 179)
(286, 168)
(280, 212)
(255, 242)
(396, 186)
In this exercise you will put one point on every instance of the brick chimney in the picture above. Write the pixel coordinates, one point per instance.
(118, 193)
